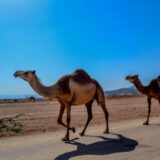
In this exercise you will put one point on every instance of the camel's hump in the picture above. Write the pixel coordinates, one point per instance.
(158, 81)
(79, 76)
(155, 83)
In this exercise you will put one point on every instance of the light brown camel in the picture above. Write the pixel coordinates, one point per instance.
(151, 91)
(74, 89)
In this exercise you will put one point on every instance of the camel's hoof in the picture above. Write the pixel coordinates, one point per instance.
(145, 123)
(106, 132)
(73, 130)
(81, 134)
(65, 139)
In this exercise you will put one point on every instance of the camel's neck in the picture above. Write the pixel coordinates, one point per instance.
(142, 89)
(45, 91)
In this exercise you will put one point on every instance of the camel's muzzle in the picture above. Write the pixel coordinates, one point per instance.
(18, 73)
(127, 78)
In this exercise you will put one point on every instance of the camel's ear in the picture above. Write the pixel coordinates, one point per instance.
(137, 75)
(34, 72)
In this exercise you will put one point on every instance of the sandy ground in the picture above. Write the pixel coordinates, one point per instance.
(129, 140)
(42, 116)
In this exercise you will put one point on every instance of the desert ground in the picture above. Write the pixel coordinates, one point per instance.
(41, 117)
(40, 138)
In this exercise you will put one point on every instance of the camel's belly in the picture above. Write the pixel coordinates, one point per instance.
(82, 93)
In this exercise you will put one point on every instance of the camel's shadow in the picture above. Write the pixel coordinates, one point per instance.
(103, 147)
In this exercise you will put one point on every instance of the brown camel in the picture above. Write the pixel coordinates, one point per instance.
(151, 91)
(74, 89)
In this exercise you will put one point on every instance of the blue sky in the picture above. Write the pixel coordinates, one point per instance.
(108, 38)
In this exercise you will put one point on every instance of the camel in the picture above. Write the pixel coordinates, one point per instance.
(151, 91)
(75, 89)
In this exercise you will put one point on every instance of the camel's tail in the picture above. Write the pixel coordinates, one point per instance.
(99, 96)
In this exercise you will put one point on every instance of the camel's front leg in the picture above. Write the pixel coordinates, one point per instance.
(68, 110)
(59, 121)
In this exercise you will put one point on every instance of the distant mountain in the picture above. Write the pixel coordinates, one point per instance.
(131, 91)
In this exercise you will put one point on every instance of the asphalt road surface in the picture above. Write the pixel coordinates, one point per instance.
(129, 140)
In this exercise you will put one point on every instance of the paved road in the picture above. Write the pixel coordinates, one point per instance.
(129, 141)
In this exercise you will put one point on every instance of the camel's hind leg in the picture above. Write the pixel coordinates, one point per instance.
(90, 116)
(149, 111)
(103, 105)
(100, 97)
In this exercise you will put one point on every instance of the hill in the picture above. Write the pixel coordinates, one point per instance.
(130, 91)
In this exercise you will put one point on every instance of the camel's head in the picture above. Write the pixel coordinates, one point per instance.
(132, 79)
(25, 75)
